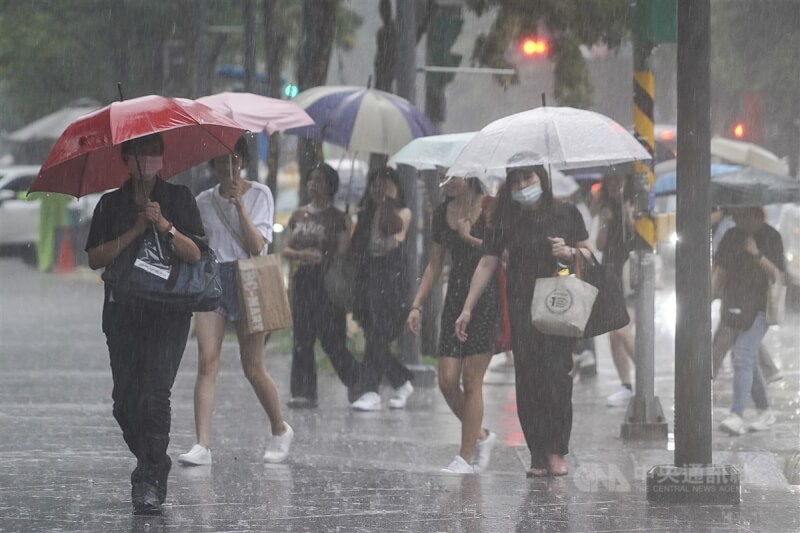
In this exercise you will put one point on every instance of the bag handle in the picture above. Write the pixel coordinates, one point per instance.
(224, 218)
(579, 264)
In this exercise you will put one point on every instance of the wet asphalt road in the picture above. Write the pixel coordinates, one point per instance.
(64, 466)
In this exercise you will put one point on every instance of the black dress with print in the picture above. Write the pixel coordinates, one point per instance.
(482, 328)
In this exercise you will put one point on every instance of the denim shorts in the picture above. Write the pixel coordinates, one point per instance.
(229, 304)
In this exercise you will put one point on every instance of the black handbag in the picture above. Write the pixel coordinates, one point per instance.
(339, 283)
(738, 309)
(159, 276)
(610, 312)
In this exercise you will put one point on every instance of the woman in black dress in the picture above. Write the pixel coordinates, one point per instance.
(459, 227)
(538, 232)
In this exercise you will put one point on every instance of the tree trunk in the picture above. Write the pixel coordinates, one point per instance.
(319, 29)
(275, 42)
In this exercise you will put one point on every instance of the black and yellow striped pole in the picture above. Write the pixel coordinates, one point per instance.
(643, 102)
(644, 418)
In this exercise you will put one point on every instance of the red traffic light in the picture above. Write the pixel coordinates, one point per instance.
(739, 131)
(534, 47)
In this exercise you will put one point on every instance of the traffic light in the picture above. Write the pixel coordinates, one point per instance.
(739, 131)
(533, 47)
(290, 90)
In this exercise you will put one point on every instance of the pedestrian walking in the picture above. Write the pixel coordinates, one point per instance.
(538, 232)
(459, 227)
(749, 258)
(145, 339)
(381, 305)
(725, 337)
(614, 239)
(237, 215)
(318, 237)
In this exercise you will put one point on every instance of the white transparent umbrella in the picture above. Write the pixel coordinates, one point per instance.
(426, 153)
(749, 155)
(562, 137)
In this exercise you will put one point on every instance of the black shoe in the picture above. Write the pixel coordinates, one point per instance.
(146, 500)
(301, 402)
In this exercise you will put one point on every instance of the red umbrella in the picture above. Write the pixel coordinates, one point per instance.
(258, 113)
(87, 157)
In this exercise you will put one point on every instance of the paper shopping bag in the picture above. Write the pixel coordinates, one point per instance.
(562, 305)
(776, 302)
(263, 300)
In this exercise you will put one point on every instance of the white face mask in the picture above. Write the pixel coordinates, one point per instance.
(150, 165)
(527, 196)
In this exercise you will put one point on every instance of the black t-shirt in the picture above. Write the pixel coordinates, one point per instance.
(744, 275)
(116, 213)
(529, 251)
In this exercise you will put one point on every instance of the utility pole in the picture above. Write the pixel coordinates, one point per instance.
(644, 418)
(249, 16)
(693, 478)
(406, 87)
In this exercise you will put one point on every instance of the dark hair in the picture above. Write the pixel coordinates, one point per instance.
(475, 185)
(330, 176)
(387, 173)
(506, 212)
(131, 146)
(360, 240)
(239, 150)
(606, 200)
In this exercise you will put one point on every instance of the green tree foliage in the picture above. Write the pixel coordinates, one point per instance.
(570, 23)
(755, 48)
(55, 51)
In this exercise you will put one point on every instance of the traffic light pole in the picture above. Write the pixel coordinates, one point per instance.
(406, 81)
(693, 479)
(644, 419)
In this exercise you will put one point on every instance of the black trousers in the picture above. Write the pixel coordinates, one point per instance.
(145, 345)
(544, 393)
(316, 317)
(379, 362)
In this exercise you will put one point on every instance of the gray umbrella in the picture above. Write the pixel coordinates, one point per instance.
(753, 187)
(50, 127)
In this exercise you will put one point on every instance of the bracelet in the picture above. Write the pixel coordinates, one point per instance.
(415, 307)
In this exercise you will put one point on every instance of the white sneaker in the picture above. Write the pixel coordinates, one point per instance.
(401, 394)
(733, 425)
(278, 447)
(483, 452)
(763, 421)
(459, 466)
(369, 401)
(197, 456)
(620, 398)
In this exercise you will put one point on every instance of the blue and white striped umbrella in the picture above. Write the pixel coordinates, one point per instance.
(360, 119)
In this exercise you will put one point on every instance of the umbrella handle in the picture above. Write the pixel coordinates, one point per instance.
(158, 243)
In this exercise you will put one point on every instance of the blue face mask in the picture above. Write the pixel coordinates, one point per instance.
(527, 196)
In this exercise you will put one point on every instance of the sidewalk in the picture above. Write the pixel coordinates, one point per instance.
(65, 466)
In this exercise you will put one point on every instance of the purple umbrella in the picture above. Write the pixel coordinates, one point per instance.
(361, 120)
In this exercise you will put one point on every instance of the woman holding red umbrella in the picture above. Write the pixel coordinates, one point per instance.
(145, 339)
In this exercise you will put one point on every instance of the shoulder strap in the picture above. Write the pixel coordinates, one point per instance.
(224, 218)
